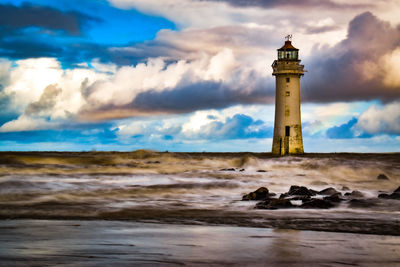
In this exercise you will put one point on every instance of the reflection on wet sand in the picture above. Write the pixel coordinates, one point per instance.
(88, 243)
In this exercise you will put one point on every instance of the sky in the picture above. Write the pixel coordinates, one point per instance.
(195, 75)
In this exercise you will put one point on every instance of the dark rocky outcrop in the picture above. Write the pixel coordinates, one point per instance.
(284, 195)
(273, 204)
(328, 191)
(317, 204)
(394, 195)
(345, 188)
(260, 194)
(261, 171)
(384, 195)
(337, 197)
(309, 200)
(382, 177)
(300, 191)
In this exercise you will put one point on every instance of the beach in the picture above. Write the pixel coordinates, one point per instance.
(146, 207)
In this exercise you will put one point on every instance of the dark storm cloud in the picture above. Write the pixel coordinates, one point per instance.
(289, 3)
(18, 40)
(14, 18)
(17, 49)
(201, 95)
(183, 98)
(343, 72)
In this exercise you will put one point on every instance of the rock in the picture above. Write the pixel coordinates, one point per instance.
(242, 170)
(261, 171)
(355, 193)
(274, 204)
(284, 195)
(293, 188)
(317, 204)
(334, 197)
(345, 188)
(397, 190)
(260, 194)
(300, 191)
(328, 191)
(394, 195)
(382, 177)
(313, 192)
(228, 170)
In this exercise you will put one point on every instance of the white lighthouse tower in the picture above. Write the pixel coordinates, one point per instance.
(287, 129)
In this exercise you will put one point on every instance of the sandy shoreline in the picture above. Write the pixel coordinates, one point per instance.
(88, 243)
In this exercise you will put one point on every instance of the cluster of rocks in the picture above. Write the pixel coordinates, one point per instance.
(309, 198)
(394, 195)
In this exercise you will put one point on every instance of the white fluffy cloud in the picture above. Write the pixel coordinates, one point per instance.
(87, 93)
(379, 120)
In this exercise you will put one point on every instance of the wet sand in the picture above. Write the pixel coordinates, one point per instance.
(93, 243)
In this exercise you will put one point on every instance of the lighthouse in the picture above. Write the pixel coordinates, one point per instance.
(287, 128)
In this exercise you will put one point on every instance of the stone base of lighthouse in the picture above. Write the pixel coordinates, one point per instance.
(286, 143)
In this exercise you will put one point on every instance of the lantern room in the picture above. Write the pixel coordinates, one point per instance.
(288, 52)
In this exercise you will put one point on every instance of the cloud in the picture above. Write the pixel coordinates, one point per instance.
(13, 18)
(39, 94)
(157, 87)
(27, 123)
(239, 126)
(302, 4)
(200, 126)
(343, 131)
(381, 120)
(361, 67)
(47, 100)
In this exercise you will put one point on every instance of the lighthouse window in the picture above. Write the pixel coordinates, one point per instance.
(287, 93)
(288, 80)
(287, 131)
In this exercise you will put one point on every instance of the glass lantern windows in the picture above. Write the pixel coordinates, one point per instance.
(288, 55)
